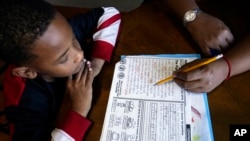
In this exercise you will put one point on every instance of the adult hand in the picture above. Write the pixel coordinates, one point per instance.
(202, 79)
(80, 90)
(210, 33)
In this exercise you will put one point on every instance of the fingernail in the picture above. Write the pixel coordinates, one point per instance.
(89, 63)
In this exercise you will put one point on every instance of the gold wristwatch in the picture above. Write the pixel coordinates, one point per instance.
(190, 16)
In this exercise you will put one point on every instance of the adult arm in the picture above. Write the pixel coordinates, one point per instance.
(215, 36)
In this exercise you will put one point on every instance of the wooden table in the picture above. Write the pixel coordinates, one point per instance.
(147, 30)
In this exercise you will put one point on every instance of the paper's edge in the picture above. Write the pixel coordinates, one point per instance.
(208, 116)
(165, 55)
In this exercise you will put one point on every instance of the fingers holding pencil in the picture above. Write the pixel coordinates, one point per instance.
(191, 66)
(202, 79)
(189, 75)
(184, 75)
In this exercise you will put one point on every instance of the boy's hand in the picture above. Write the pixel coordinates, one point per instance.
(97, 65)
(202, 79)
(80, 90)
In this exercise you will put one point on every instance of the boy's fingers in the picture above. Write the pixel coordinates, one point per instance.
(79, 74)
(90, 78)
(85, 72)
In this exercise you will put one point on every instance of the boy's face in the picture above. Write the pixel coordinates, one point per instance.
(59, 53)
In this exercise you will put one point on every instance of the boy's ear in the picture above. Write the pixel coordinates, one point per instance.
(25, 72)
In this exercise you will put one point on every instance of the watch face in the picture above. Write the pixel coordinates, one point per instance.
(190, 15)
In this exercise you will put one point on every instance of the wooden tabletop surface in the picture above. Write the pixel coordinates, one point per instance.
(147, 30)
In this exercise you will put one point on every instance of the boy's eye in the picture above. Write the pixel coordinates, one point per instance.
(64, 60)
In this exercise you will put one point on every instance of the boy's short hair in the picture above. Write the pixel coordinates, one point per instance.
(21, 23)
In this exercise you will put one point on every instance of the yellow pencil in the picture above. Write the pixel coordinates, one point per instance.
(191, 68)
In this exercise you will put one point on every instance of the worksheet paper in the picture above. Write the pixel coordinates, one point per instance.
(139, 111)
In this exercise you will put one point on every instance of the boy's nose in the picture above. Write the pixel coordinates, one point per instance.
(78, 57)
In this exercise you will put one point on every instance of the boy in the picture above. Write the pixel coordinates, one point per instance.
(43, 49)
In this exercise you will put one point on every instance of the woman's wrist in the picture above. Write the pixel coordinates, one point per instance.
(229, 68)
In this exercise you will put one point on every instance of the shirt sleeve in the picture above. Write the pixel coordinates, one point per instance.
(106, 33)
(102, 26)
(35, 125)
(73, 128)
